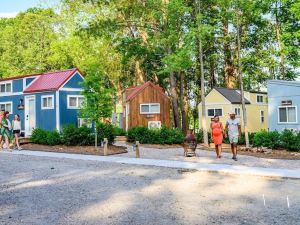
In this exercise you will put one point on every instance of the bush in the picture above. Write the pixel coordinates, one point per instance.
(119, 131)
(106, 131)
(290, 140)
(267, 139)
(70, 135)
(39, 136)
(86, 136)
(155, 136)
(53, 138)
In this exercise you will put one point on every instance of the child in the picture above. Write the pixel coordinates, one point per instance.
(16, 126)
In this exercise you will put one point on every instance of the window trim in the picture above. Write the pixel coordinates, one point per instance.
(8, 102)
(288, 106)
(149, 104)
(47, 96)
(239, 109)
(11, 87)
(73, 96)
(260, 95)
(215, 111)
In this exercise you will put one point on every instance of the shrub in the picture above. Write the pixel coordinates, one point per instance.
(119, 131)
(70, 135)
(53, 138)
(39, 136)
(86, 136)
(290, 140)
(106, 131)
(267, 139)
(155, 136)
(199, 136)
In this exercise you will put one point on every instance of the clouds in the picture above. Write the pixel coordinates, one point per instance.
(8, 14)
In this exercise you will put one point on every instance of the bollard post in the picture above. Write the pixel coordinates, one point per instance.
(137, 152)
(105, 142)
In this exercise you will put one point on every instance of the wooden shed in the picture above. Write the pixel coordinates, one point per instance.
(146, 105)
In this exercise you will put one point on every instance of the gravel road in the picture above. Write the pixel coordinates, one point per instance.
(47, 191)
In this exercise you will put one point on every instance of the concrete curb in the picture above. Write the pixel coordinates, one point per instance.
(221, 168)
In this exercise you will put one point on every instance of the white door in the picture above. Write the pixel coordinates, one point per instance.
(30, 115)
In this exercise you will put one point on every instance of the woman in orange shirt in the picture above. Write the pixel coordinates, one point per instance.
(217, 135)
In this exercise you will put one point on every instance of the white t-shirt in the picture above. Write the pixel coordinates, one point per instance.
(16, 125)
(233, 129)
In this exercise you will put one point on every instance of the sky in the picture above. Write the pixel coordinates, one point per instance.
(10, 8)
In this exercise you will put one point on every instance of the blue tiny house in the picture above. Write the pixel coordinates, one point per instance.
(48, 101)
(284, 105)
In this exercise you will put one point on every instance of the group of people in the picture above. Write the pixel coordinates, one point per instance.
(232, 131)
(9, 131)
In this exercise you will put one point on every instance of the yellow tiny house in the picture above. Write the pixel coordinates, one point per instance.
(221, 101)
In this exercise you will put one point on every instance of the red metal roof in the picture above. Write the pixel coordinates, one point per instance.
(134, 91)
(50, 81)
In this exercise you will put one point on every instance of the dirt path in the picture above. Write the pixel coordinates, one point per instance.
(40, 191)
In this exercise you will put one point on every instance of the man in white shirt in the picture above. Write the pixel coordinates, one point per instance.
(233, 128)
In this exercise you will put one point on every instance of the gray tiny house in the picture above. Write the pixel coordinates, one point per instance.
(284, 105)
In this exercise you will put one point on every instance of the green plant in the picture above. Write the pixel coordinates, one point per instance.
(53, 138)
(106, 131)
(199, 136)
(290, 140)
(86, 136)
(267, 139)
(39, 136)
(155, 136)
(119, 131)
(70, 135)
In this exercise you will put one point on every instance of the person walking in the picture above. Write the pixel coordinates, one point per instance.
(217, 135)
(16, 127)
(233, 129)
(6, 130)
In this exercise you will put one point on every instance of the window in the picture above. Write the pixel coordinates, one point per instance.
(237, 111)
(47, 102)
(215, 112)
(262, 116)
(6, 106)
(75, 101)
(259, 98)
(287, 114)
(151, 108)
(5, 87)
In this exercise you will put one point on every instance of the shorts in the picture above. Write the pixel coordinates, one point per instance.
(16, 131)
(234, 139)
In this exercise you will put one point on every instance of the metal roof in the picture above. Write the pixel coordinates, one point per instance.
(231, 95)
(50, 81)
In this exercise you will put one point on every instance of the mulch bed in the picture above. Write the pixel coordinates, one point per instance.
(275, 154)
(86, 150)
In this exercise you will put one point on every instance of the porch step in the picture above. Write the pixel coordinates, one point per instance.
(120, 138)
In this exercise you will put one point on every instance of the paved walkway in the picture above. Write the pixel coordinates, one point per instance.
(222, 168)
(204, 156)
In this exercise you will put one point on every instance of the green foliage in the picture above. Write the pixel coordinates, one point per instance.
(70, 135)
(106, 131)
(39, 136)
(155, 136)
(119, 131)
(267, 139)
(53, 138)
(290, 140)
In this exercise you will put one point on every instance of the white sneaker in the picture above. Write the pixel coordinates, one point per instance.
(20, 148)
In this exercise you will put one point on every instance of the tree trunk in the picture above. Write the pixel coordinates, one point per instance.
(174, 97)
(279, 42)
(229, 69)
(200, 58)
(241, 83)
(182, 103)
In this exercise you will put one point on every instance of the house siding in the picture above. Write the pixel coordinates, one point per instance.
(74, 82)
(282, 91)
(67, 116)
(17, 85)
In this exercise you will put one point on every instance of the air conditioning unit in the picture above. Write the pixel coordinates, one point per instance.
(154, 124)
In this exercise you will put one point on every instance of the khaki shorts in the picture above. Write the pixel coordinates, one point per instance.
(234, 139)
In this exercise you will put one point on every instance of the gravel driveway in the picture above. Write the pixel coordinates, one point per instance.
(48, 191)
(205, 156)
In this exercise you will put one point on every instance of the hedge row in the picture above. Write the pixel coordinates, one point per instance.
(155, 136)
(271, 139)
(72, 135)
